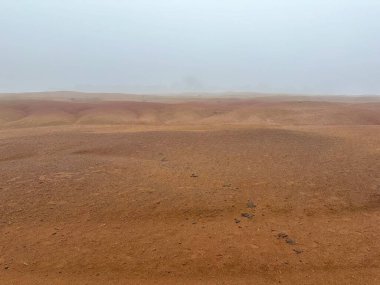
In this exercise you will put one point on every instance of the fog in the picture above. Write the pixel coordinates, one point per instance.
(291, 46)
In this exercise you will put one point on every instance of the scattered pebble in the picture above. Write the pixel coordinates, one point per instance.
(282, 235)
(251, 205)
(237, 221)
(247, 215)
(287, 239)
(297, 250)
(193, 175)
(290, 241)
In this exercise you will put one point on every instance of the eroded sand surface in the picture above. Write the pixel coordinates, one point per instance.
(210, 191)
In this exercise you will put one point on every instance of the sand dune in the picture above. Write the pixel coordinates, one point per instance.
(189, 191)
(22, 113)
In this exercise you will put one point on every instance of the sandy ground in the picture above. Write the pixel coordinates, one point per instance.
(208, 191)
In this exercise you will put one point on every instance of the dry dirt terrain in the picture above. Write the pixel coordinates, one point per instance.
(280, 190)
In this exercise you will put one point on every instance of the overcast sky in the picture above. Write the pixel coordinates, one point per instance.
(303, 46)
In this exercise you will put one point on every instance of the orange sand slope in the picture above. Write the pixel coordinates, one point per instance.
(261, 190)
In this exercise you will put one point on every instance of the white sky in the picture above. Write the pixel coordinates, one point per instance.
(303, 46)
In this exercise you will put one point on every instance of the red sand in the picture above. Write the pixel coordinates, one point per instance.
(127, 192)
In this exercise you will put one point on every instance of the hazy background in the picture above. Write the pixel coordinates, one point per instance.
(324, 46)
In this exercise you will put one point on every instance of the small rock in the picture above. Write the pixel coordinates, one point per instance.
(297, 250)
(251, 205)
(6, 267)
(193, 175)
(237, 221)
(290, 241)
(282, 235)
(247, 215)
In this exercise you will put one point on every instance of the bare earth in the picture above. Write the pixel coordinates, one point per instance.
(190, 191)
